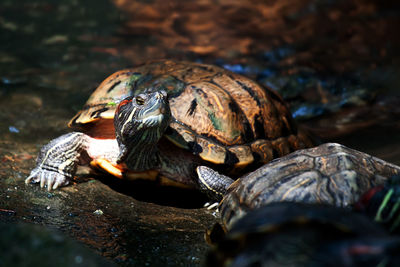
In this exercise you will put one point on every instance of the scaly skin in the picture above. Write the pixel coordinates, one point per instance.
(57, 161)
(139, 123)
(213, 184)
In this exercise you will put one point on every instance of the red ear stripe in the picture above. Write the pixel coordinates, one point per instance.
(364, 200)
(123, 103)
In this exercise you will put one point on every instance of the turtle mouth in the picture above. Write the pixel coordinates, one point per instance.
(153, 120)
(154, 117)
(155, 112)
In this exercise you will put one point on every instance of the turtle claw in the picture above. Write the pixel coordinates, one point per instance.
(46, 178)
(31, 179)
(56, 185)
(42, 181)
(211, 206)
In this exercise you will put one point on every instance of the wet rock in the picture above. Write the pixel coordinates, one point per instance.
(128, 231)
(33, 245)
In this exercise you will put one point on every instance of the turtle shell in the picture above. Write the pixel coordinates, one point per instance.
(329, 174)
(221, 116)
(301, 234)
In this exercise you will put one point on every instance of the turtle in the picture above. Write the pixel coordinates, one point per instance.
(160, 120)
(305, 234)
(330, 173)
(382, 204)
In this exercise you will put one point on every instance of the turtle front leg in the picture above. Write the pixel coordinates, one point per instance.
(57, 161)
(213, 184)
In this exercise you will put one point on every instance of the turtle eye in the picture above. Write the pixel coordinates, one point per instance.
(140, 100)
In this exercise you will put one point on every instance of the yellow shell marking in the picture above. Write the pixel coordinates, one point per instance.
(107, 166)
(294, 187)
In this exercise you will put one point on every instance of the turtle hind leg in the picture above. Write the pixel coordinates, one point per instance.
(213, 184)
(57, 161)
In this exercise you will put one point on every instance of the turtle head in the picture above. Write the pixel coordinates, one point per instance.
(139, 123)
(382, 203)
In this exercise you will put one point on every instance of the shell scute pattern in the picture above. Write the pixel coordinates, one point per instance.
(268, 119)
(211, 120)
(243, 153)
(102, 103)
(263, 149)
(221, 116)
(329, 174)
(247, 104)
(212, 151)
